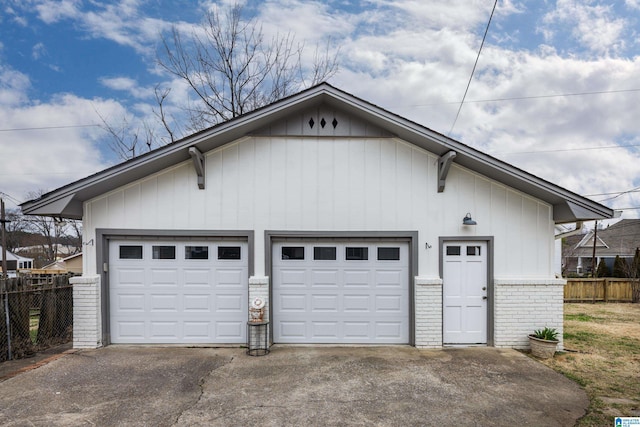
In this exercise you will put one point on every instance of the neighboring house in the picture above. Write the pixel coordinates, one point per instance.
(620, 239)
(70, 264)
(356, 225)
(16, 264)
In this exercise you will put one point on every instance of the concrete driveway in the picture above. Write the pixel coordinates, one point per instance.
(292, 386)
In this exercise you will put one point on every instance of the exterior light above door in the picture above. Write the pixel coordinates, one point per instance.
(467, 220)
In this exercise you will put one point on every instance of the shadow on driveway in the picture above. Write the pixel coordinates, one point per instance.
(292, 386)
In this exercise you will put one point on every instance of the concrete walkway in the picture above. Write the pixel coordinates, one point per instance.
(292, 386)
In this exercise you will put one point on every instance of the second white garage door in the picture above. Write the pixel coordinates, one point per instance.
(341, 292)
(178, 292)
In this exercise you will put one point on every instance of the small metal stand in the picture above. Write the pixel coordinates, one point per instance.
(258, 338)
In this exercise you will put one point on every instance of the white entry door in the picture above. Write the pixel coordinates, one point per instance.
(178, 291)
(465, 293)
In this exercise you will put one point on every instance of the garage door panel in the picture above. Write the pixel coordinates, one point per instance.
(229, 278)
(323, 297)
(228, 303)
(196, 303)
(324, 330)
(230, 330)
(130, 330)
(131, 302)
(357, 278)
(293, 278)
(389, 303)
(164, 276)
(196, 277)
(389, 330)
(130, 277)
(161, 297)
(324, 303)
(292, 330)
(324, 278)
(197, 330)
(164, 302)
(356, 303)
(357, 330)
(293, 303)
(163, 330)
(390, 278)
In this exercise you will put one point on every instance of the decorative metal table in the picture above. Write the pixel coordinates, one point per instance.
(258, 338)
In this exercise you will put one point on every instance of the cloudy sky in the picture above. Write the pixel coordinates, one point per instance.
(556, 90)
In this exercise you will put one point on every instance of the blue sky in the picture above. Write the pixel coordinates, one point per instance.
(556, 91)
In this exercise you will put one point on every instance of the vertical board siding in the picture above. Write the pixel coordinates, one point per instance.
(319, 183)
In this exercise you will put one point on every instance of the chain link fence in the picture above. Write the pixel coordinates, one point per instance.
(34, 315)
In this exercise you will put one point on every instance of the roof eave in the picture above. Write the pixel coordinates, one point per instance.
(67, 201)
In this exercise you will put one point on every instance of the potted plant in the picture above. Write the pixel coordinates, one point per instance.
(544, 342)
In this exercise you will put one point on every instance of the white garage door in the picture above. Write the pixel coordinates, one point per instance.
(347, 292)
(182, 292)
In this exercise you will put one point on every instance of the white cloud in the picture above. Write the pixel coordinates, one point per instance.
(122, 22)
(593, 26)
(414, 58)
(51, 11)
(38, 50)
(128, 85)
(35, 155)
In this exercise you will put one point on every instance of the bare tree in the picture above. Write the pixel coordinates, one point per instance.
(16, 226)
(128, 140)
(232, 69)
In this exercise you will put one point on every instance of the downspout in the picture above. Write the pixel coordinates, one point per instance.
(579, 228)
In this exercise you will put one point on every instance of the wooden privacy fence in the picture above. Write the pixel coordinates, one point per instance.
(601, 289)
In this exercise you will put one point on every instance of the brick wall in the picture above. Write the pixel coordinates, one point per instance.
(428, 312)
(520, 306)
(86, 312)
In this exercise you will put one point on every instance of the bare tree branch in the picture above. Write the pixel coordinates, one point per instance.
(231, 70)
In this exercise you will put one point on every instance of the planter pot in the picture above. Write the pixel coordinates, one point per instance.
(543, 349)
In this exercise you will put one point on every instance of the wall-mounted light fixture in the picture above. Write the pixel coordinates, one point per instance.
(467, 220)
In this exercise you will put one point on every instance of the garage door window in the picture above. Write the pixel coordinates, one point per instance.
(164, 252)
(196, 252)
(130, 252)
(357, 254)
(293, 252)
(388, 254)
(324, 253)
(228, 252)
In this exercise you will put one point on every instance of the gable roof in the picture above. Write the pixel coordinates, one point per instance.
(621, 238)
(67, 201)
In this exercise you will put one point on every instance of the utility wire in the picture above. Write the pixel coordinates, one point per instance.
(569, 149)
(474, 67)
(615, 192)
(48, 127)
(520, 98)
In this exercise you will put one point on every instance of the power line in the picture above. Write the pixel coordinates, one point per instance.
(48, 127)
(474, 66)
(570, 149)
(620, 194)
(520, 98)
(609, 194)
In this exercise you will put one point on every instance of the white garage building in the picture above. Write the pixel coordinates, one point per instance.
(346, 218)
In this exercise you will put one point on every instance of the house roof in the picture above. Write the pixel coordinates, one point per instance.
(13, 257)
(67, 201)
(621, 238)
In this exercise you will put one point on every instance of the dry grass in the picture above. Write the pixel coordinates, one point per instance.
(602, 343)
